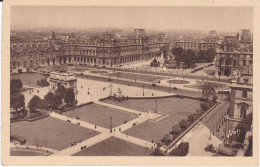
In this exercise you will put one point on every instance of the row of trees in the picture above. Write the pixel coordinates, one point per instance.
(16, 98)
(51, 100)
(190, 57)
(208, 94)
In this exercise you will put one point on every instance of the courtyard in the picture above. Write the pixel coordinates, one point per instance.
(50, 132)
(115, 147)
(173, 109)
(100, 115)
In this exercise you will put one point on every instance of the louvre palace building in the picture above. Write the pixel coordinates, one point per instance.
(104, 49)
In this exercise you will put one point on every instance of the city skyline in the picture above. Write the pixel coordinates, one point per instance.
(164, 18)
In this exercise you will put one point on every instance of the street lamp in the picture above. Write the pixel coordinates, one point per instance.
(110, 124)
(143, 90)
(155, 106)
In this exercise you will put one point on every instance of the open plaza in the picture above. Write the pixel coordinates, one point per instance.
(101, 125)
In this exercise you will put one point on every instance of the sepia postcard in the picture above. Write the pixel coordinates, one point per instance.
(143, 83)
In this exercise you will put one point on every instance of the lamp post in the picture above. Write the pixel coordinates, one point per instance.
(155, 106)
(110, 124)
(143, 90)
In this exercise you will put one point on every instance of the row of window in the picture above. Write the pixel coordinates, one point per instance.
(235, 62)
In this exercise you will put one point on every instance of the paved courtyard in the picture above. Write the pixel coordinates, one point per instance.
(50, 132)
(115, 147)
(100, 115)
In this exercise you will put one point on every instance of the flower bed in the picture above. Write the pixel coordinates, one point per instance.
(178, 81)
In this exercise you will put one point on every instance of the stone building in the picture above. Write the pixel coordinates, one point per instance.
(205, 44)
(233, 56)
(239, 119)
(107, 51)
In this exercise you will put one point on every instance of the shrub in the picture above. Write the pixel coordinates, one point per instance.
(20, 70)
(176, 129)
(166, 139)
(44, 82)
(204, 106)
(192, 117)
(157, 152)
(181, 150)
(183, 124)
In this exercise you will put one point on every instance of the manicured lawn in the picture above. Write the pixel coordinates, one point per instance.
(51, 133)
(138, 77)
(100, 115)
(25, 153)
(29, 79)
(176, 109)
(115, 147)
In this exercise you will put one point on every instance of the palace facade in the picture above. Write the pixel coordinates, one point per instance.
(233, 56)
(107, 51)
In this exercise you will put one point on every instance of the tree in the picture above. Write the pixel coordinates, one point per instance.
(192, 117)
(75, 102)
(61, 91)
(176, 129)
(166, 139)
(34, 103)
(15, 84)
(42, 104)
(48, 98)
(157, 152)
(204, 106)
(69, 97)
(210, 54)
(201, 57)
(56, 101)
(181, 150)
(17, 101)
(183, 124)
(44, 82)
(208, 92)
(190, 59)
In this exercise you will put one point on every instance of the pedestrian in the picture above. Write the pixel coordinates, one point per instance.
(95, 126)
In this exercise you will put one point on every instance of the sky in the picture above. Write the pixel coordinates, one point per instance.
(161, 18)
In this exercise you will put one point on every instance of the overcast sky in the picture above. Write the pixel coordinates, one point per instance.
(196, 18)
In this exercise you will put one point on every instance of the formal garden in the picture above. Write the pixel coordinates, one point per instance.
(138, 77)
(100, 115)
(50, 132)
(115, 147)
(31, 79)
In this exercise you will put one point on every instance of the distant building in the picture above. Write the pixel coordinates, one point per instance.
(67, 80)
(213, 33)
(104, 49)
(195, 44)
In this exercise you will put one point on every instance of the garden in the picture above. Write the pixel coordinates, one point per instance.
(115, 147)
(29, 79)
(174, 110)
(50, 132)
(175, 81)
(100, 115)
(138, 77)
